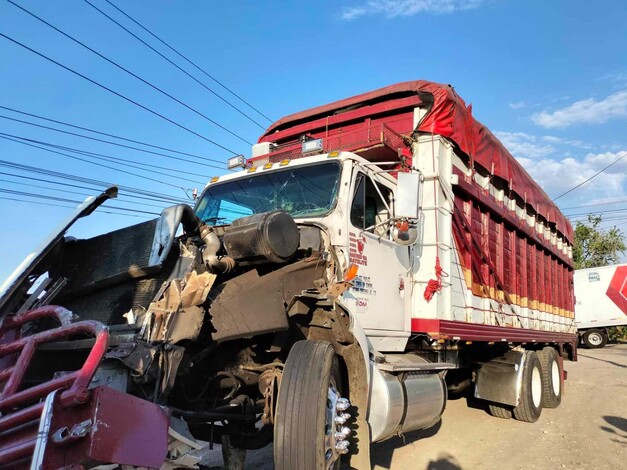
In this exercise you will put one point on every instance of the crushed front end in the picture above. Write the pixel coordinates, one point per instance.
(140, 346)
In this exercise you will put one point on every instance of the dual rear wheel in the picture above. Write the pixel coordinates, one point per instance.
(541, 387)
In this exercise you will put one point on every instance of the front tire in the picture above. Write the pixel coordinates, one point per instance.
(305, 425)
(530, 403)
(594, 339)
(551, 377)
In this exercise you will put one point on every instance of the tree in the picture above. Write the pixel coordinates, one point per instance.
(596, 247)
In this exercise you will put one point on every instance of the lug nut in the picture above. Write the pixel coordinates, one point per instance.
(342, 418)
(342, 404)
(345, 431)
(341, 447)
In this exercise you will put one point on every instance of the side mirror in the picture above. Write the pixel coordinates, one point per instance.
(403, 233)
(407, 202)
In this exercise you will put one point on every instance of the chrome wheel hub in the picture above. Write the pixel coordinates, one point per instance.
(336, 433)
(595, 339)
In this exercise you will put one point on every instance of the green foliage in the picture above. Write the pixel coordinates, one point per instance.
(595, 247)
(617, 333)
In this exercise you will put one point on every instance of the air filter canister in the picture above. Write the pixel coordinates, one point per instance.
(270, 235)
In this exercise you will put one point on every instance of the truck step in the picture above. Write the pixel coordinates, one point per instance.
(410, 363)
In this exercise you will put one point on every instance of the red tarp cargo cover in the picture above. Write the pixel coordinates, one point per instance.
(451, 118)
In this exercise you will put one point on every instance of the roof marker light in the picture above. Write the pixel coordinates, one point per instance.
(252, 169)
(214, 179)
(314, 145)
(238, 161)
(284, 162)
(334, 154)
(267, 166)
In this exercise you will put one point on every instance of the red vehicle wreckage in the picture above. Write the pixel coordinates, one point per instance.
(371, 255)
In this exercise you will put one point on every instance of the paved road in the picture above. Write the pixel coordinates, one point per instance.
(588, 430)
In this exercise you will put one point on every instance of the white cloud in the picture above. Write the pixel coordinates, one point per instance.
(617, 78)
(524, 145)
(517, 105)
(589, 111)
(557, 176)
(395, 8)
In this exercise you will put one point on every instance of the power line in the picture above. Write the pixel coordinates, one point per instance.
(607, 203)
(144, 81)
(118, 137)
(4, 136)
(67, 191)
(112, 159)
(107, 141)
(70, 185)
(596, 212)
(188, 60)
(593, 176)
(174, 64)
(39, 203)
(82, 179)
(84, 77)
(61, 199)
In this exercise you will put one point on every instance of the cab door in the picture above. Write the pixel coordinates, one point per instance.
(378, 296)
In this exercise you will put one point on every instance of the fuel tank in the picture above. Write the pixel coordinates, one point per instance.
(403, 402)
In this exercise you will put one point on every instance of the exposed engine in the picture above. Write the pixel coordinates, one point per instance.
(198, 322)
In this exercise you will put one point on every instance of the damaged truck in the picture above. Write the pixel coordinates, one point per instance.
(372, 255)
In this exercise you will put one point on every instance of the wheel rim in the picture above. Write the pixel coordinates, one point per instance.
(536, 387)
(335, 434)
(555, 378)
(595, 339)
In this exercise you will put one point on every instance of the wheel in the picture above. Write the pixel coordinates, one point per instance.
(594, 339)
(551, 377)
(308, 425)
(530, 402)
(500, 411)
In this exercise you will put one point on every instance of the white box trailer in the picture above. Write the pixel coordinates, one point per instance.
(601, 302)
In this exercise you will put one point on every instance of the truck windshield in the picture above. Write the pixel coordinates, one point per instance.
(305, 191)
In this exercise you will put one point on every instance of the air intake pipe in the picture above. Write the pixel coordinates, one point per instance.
(217, 265)
(165, 232)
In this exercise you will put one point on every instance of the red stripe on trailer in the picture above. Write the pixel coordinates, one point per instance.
(464, 331)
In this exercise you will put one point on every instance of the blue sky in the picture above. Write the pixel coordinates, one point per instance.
(549, 78)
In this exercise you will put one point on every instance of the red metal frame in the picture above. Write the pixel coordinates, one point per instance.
(74, 425)
(18, 423)
(464, 331)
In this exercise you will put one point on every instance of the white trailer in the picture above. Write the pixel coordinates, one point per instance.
(601, 302)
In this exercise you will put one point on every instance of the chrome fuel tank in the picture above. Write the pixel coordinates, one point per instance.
(404, 402)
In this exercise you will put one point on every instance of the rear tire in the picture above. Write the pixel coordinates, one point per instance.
(304, 426)
(500, 411)
(530, 404)
(551, 377)
(594, 339)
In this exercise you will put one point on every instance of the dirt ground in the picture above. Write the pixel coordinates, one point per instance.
(588, 430)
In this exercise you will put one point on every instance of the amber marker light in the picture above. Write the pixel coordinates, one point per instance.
(351, 273)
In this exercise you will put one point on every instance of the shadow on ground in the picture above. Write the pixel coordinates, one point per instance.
(381, 453)
(617, 423)
(603, 360)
